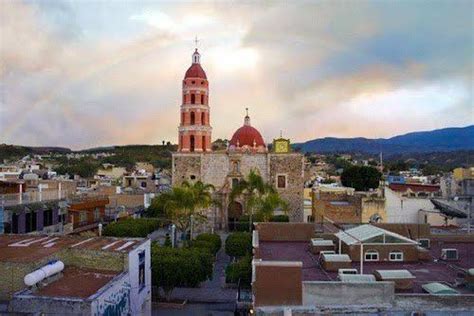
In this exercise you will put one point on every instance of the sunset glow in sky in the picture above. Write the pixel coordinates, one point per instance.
(90, 73)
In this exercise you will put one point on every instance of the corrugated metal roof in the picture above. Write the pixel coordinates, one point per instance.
(365, 232)
(395, 274)
(336, 258)
(439, 289)
(357, 278)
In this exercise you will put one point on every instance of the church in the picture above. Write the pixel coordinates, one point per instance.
(195, 160)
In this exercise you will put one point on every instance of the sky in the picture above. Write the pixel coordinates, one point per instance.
(82, 74)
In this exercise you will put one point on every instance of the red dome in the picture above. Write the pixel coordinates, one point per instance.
(246, 135)
(195, 71)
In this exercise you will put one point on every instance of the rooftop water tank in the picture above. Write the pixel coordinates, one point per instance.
(42, 273)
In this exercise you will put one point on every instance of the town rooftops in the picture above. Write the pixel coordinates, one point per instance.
(369, 233)
(30, 248)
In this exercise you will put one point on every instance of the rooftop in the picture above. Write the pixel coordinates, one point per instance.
(425, 272)
(29, 248)
(90, 280)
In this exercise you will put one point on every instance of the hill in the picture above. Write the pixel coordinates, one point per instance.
(441, 140)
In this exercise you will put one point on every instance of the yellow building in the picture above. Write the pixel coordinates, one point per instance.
(461, 174)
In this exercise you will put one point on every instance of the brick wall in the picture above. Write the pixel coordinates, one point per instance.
(285, 231)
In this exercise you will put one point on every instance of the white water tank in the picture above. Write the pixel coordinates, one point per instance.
(48, 270)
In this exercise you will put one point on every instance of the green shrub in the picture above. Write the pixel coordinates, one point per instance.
(238, 244)
(202, 244)
(280, 218)
(179, 267)
(214, 239)
(139, 227)
(241, 269)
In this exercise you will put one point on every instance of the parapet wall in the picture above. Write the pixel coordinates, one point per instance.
(321, 293)
(285, 231)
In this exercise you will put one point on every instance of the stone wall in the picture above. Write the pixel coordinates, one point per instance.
(215, 167)
(38, 305)
(184, 166)
(290, 165)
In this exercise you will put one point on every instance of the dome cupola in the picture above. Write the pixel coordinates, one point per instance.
(247, 138)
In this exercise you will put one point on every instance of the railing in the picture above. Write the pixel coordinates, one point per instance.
(32, 197)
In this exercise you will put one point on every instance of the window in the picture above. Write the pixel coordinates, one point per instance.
(96, 214)
(193, 99)
(235, 182)
(47, 218)
(204, 143)
(281, 181)
(182, 118)
(202, 98)
(184, 98)
(371, 255)
(83, 218)
(141, 270)
(143, 184)
(193, 82)
(396, 256)
(191, 141)
(203, 118)
(202, 82)
(193, 118)
(192, 177)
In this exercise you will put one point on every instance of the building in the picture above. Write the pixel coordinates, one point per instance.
(91, 276)
(404, 201)
(86, 212)
(109, 171)
(287, 279)
(344, 205)
(246, 151)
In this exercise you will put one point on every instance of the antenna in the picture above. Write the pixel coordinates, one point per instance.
(247, 110)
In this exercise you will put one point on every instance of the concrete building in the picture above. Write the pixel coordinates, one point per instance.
(247, 151)
(99, 276)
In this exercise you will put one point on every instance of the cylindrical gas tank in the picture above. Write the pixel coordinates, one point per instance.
(48, 270)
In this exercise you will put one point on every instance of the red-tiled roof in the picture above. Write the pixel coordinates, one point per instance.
(246, 135)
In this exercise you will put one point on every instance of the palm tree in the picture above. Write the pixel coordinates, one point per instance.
(187, 201)
(267, 204)
(252, 190)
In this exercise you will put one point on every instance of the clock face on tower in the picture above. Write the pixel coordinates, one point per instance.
(281, 145)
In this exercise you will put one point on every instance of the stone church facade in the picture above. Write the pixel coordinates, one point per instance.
(246, 151)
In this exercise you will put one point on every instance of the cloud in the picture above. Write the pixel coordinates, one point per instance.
(84, 74)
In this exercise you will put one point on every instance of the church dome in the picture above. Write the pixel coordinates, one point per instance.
(247, 136)
(196, 71)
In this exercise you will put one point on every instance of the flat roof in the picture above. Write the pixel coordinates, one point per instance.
(77, 282)
(425, 272)
(29, 248)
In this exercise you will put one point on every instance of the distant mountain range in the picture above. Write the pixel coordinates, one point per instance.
(440, 140)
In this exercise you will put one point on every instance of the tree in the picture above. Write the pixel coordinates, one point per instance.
(253, 190)
(185, 202)
(361, 178)
(238, 244)
(265, 206)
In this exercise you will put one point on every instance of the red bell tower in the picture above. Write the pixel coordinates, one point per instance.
(195, 129)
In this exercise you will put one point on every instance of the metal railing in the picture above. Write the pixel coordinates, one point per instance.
(11, 199)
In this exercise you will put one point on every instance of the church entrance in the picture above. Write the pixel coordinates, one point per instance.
(234, 212)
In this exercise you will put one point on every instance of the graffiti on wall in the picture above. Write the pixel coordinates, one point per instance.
(116, 303)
